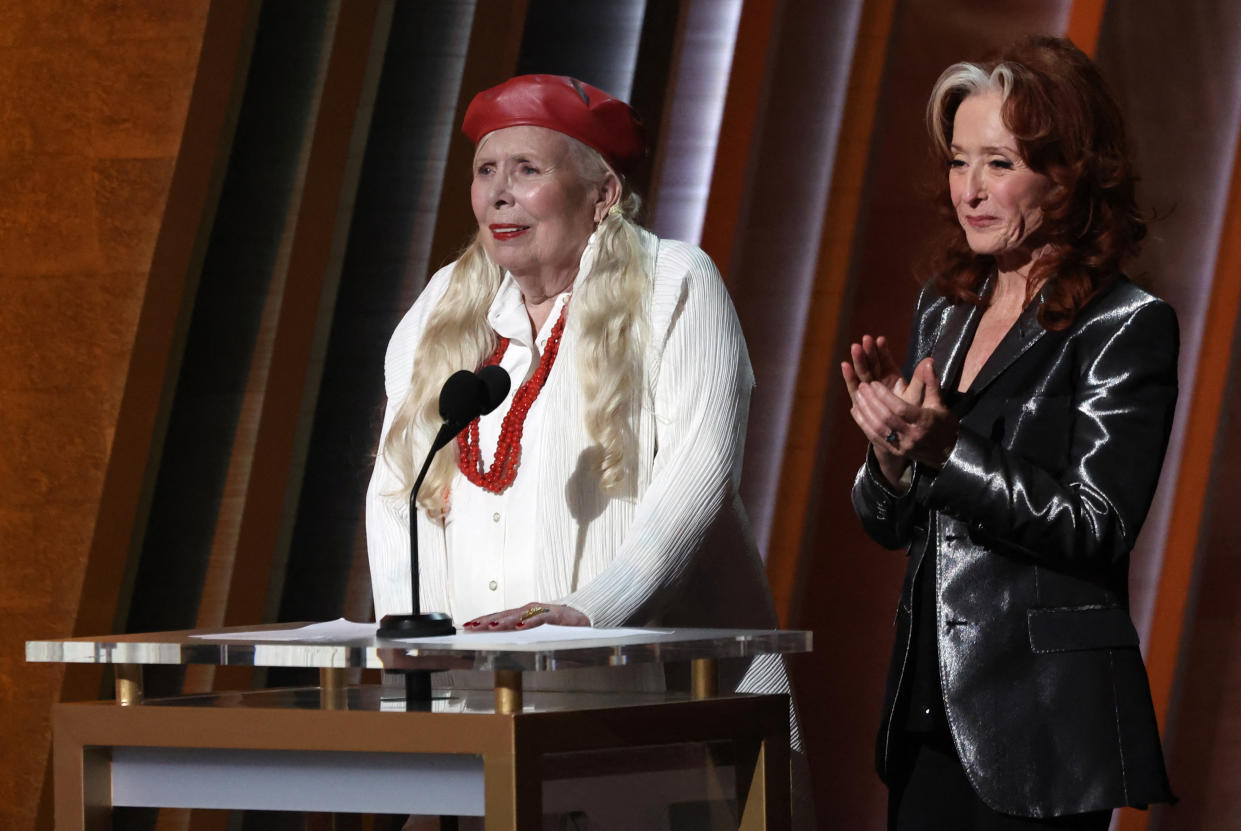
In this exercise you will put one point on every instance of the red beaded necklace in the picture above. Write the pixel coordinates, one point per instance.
(508, 449)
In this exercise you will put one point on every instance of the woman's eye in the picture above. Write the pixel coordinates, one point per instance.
(956, 163)
(485, 169)
(1003, 164)
(528, 170)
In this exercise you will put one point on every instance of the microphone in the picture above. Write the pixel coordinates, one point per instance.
(498, 383)
(464, 397)
(467, 395)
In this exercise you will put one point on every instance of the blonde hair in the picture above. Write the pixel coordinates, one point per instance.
(608, 315)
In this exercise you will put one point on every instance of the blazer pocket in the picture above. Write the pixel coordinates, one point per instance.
(1068, 629)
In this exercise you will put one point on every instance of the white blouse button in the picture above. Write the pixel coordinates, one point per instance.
(495, 517)
(493, 585)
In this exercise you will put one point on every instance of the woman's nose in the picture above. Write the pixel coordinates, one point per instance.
(501, 193)
(974, 189)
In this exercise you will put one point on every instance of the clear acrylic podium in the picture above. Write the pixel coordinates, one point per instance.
(341, 748)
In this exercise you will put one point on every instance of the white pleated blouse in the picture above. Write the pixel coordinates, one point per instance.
(675, 550)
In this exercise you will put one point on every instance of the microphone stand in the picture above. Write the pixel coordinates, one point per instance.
(416, 624)
(464, 397)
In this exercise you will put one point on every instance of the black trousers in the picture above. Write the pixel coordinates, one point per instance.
(931, 792)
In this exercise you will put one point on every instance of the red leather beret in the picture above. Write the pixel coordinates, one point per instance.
(565, 105)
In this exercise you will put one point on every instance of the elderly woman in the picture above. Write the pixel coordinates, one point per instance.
(603, 490)
(557, 507)
(1015, 456)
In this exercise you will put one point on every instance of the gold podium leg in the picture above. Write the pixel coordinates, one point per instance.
(128, 684)
(704, 678)
(508, 691)
(333, 689)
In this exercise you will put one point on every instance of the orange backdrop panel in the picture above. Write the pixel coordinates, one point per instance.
(94, 105)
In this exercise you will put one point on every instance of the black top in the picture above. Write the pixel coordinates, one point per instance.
(925, 704)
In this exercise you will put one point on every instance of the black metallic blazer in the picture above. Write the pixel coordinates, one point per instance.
(1031, 522)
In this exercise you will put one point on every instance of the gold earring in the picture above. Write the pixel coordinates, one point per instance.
(615, 210)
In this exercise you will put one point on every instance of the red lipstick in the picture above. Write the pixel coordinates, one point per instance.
(507, 232)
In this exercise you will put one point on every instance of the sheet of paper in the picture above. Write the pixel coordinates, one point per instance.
(328, 631)
(547, 633)
(342, 630)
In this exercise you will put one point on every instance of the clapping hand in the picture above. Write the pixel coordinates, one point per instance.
(913, 424)
(871, 361)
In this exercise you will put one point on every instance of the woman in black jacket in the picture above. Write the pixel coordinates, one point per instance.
(1015, 455)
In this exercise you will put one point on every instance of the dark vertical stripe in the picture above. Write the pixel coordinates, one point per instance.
(385, 262)
(663, 27)
(592, 42)
(322, 225)
(495, 42)
(238, 268)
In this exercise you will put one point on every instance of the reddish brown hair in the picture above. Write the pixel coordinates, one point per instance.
(1069, 128)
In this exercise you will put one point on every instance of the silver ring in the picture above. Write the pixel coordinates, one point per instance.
(892, 439)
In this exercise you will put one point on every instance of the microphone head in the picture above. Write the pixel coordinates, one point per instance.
(461, 397)
(497, 382)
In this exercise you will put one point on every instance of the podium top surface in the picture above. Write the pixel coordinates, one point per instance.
(284, 645)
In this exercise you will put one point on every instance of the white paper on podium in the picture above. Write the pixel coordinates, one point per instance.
(330, 631)
(335, 631)
(547, 633)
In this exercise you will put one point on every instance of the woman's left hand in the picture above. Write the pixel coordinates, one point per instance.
(528, 617)
(923, 432)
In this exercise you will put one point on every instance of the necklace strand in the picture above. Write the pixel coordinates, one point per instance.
(508, 448)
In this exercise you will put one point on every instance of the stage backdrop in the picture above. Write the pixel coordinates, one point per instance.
(216, 212)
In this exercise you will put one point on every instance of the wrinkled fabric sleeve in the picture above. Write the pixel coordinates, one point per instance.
(701, 402)
(1090, 515)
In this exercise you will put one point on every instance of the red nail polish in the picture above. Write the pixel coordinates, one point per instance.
(520, 624)
(493, 624)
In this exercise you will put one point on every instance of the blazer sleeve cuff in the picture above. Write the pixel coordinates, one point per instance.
(875, 499)
(876, 480)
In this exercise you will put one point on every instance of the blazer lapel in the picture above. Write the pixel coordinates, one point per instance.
(1023, 334)
(953, 341)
